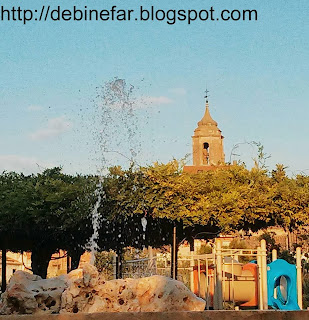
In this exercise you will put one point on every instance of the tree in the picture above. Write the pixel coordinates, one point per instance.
(44, 213)
(218, 200)
(141, 206)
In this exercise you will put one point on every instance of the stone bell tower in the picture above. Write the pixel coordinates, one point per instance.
(207, 142)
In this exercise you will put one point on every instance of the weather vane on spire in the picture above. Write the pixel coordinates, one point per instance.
(206, 94)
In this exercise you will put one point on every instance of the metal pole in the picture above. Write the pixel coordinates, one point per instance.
(219, 304)
(259, 263)
(299, 278)
(199, 276)
(174, 249)
(264, 273)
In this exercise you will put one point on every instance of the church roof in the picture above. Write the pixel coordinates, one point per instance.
(207, 119)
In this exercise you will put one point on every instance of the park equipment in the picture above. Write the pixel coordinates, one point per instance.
(284, 282)
(282, 285)
(239, 283)
(219, 277)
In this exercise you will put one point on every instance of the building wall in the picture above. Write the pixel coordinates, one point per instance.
(216, 154)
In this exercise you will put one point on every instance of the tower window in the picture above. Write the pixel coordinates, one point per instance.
(205, 153)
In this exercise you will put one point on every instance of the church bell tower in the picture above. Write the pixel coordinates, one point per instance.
(207, 144)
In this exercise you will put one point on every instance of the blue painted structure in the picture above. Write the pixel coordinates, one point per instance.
(275, 270)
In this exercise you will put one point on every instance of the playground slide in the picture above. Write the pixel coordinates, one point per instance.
(281, 285)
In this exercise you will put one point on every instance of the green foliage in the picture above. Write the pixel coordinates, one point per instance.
(238, 244)
(104, 262)
(217, 200)
(52, 210)
(231, 199)
(45, 212)
(204, 249)
(130, 253)
(271, 244)
(270, 241)
(124, 205)
(260, 161)
(287, 256)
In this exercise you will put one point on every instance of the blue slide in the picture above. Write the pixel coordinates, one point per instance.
(282, 285)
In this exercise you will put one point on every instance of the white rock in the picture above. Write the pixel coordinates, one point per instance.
(83, 290)
(27, 293)
(156, 293)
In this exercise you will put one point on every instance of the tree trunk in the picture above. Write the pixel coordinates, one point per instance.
(40, 258)
(3, 279)
(68, 263)
(75, 257)
(191, 242)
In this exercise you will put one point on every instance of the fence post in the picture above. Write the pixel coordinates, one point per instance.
(192, 271)
(264, 273)
(274, 255)
(218, 289)
(299, 278)
(150, 261)
(260, 283)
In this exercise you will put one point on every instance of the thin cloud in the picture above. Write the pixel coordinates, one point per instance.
(54, 128)
(27, 165)
(34, 108)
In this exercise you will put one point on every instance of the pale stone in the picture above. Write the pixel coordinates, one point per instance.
(83, 290)
(27, 293)
(156, 293)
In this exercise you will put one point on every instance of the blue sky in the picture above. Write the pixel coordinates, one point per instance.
(257, 74)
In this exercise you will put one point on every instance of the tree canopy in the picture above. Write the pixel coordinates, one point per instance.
(140, 206)
(44, 213)
(230, 199)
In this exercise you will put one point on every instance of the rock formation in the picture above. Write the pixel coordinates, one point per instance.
(83, 290)
(28, 293)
